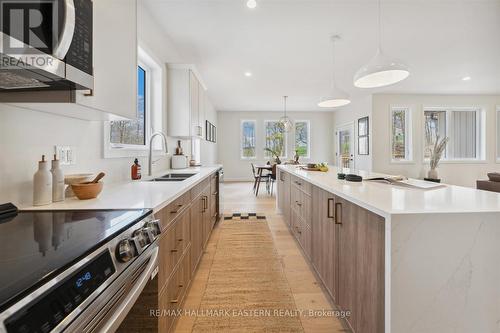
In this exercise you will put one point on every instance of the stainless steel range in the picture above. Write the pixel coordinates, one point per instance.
(74, 271)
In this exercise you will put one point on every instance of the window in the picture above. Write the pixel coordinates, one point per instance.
(130, 138)
(462, 126)
(133, 132)
(248, 139)
(275, 139)
(400, 135)
(303, 138)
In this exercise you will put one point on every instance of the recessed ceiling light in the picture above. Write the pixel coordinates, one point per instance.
(251, 4)
(466, 78)
(248, 74)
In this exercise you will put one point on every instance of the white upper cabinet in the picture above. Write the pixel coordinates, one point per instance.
(115, 69)
(186, 102)
(115, 59)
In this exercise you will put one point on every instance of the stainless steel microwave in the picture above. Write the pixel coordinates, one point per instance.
(45, 45)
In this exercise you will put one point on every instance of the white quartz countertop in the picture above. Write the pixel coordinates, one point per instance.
(135, 194)
(385, 199)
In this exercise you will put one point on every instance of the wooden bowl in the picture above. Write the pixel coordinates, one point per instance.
(75, 179)
(85, 191)
(311, 165)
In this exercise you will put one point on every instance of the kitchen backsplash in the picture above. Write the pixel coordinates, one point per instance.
(26, 135)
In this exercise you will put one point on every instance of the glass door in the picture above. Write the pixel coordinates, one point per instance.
(345, 146)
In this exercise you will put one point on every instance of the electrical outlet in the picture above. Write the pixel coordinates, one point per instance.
(66, 155)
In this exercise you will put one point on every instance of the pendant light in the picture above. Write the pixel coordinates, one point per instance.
(381, 70)
(285, 121)
(337, 97)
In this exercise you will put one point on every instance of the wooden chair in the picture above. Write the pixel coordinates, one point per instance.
(257, 178)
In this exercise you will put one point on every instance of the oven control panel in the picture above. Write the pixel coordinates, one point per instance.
(44, 314)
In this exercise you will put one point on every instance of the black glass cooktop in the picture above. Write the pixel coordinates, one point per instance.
(35, 246)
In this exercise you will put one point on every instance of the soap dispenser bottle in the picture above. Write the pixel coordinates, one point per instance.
(42, 184)
(136, 170)
(57, 181)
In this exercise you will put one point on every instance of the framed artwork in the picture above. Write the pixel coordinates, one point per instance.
(363, 136)
(210, 132)
(207, 130)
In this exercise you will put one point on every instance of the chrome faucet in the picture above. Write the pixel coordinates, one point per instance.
(150, 160)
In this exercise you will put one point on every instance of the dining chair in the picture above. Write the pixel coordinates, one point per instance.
(257, 177)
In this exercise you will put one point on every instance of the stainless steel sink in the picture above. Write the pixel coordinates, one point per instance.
(173, 177)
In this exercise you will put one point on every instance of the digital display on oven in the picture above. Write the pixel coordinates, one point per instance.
(45, 313)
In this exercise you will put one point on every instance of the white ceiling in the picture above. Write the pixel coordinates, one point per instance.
(285, 44)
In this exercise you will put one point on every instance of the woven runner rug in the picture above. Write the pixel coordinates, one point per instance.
(247, 290)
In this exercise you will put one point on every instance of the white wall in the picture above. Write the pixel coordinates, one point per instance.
(26, 135)
(229, 135)
(359, 108)
(209, 149)
(461, 173)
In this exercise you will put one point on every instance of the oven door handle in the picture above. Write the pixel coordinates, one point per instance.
(122, 310)
(68, 32)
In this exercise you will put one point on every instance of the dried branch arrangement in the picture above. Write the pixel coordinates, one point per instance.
(437, 151)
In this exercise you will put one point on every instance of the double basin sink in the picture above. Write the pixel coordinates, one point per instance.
(173, 177)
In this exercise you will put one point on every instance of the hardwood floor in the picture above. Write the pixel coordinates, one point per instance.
(307, 292)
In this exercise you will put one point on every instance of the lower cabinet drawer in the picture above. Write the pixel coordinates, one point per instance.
(306, 239)
(173, 295)
(302, 185)
(296, 225)
(170, 253)
(195, 191)
(176, 208)
(183, 232)
(166, 320)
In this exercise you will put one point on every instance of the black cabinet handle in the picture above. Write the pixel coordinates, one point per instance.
(329, 213)
(338, 213)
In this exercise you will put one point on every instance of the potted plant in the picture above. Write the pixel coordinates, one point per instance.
(436, 152)
(274, 153)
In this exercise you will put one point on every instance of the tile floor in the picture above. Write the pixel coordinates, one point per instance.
(306, 290)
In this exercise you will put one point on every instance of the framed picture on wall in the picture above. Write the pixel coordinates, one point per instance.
(210, 132)
(363, 136)
(207, 130)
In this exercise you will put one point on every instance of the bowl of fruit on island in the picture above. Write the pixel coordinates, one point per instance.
(323, 167)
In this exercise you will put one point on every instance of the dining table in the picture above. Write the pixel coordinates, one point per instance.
(260, 169)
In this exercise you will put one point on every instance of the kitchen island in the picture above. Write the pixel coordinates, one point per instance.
(400, 259)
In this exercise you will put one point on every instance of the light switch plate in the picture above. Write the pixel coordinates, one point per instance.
(66, 155)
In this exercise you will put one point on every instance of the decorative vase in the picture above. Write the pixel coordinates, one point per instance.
(432, 174)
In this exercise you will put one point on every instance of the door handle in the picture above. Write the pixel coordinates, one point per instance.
(329, 213)
(338, 213)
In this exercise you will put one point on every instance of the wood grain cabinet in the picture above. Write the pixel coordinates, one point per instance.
(345, 244)
(324, 238)
(196, 231)
(361, 266)
(300, 203)
(283, 194)
(187, 223)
